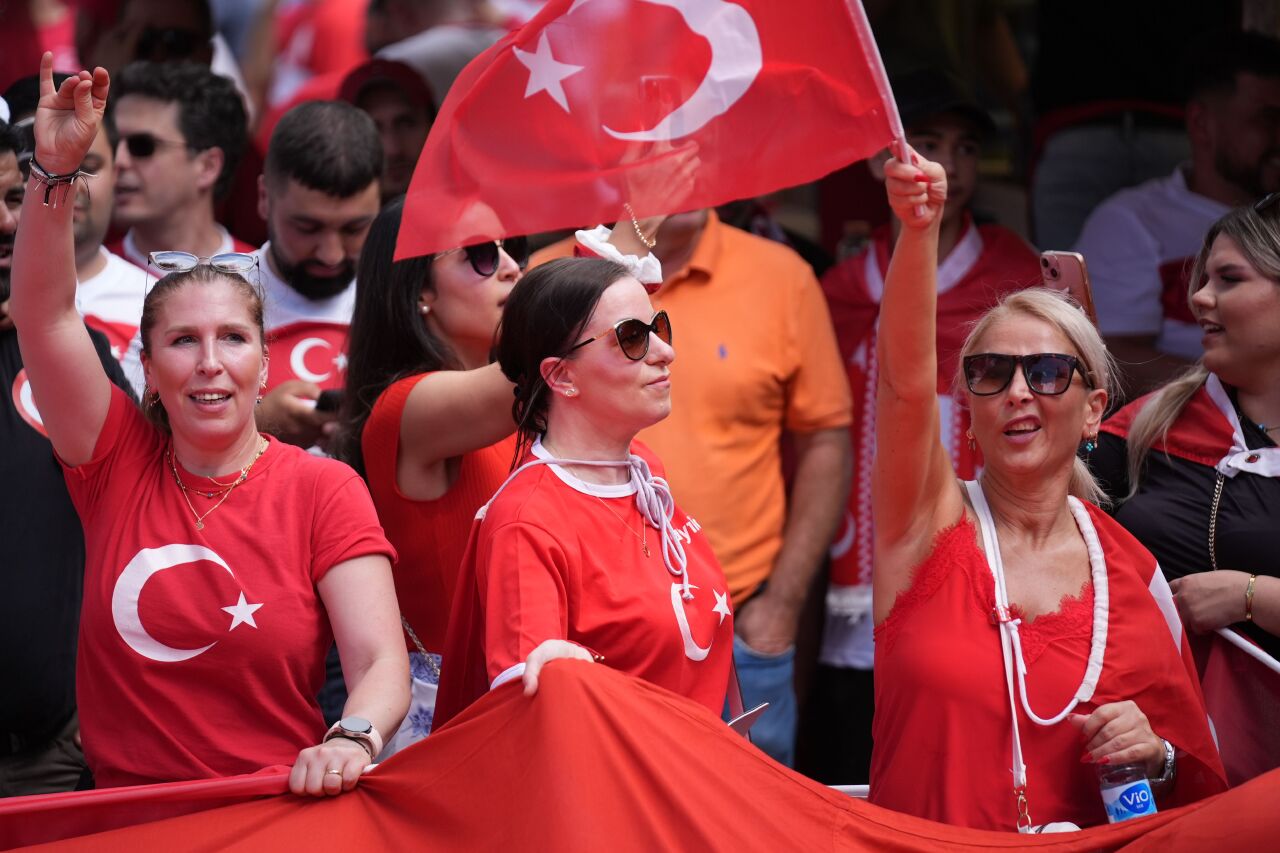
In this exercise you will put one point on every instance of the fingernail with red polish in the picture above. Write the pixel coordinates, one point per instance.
(1103, 760)
(1086, 759)
(922, 179)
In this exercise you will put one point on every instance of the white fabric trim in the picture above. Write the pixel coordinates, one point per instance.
(647, 269)
(1265, 461)
(618, 490)
(1250, 649)
(1163, 595)
(951, 271)
(511, 673)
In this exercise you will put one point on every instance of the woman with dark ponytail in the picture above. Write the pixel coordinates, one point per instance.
(582, 552)
(427, 419)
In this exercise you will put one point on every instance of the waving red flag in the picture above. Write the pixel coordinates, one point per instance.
(667, 104)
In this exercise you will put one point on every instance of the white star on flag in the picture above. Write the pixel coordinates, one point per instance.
(242, 613)
(545, 73)
(722, 605)
(340, 361)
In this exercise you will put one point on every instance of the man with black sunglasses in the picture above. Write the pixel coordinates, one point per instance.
(181, 131)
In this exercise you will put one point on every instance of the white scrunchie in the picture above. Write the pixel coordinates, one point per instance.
(647, 270)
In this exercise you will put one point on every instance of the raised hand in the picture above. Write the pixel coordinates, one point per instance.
(917, 190)
(68, 117)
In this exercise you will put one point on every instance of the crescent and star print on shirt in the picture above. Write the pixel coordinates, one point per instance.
(182, 629)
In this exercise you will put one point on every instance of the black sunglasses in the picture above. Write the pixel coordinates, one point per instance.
(1267, 202)
(143, 145)
(484, 256)
(633, 335)
(1046, 373)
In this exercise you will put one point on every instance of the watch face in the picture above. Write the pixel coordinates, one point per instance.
(356, 724)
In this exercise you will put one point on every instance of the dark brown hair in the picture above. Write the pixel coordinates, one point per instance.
(166, 287)
(543, 318)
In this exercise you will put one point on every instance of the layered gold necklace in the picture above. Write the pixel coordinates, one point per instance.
(224, 489)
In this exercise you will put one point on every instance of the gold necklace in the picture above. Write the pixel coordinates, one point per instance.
(643, 535)
(225, 491)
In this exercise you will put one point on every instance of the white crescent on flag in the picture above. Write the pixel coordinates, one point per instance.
(736, 60)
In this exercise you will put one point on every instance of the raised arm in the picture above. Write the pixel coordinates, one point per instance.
(913, 487)
(67, 380)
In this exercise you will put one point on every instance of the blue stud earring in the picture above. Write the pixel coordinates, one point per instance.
(1090, 445)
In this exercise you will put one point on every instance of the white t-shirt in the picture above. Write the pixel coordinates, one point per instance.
(440, 53)
(129, 248)
(111, 301)
(1139, 245)
(306, 338)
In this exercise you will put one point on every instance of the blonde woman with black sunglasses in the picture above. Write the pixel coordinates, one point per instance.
(1017, 626)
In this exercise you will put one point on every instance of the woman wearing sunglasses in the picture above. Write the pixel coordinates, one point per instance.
(582, 552)
(1017, 625)
(427, 419)
(220, 564)
(1194, 466)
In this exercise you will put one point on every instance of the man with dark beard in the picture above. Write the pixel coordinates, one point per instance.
(318, 195)
(1139, 243)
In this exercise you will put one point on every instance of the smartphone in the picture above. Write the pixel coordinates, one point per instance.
(329, 401)
(1066, 271)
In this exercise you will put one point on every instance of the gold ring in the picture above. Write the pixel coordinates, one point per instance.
(333, 772)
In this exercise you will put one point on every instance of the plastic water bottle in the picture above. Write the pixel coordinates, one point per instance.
(1126, 792)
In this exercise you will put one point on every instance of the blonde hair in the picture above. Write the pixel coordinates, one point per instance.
(1060, 311)
(1258, 237)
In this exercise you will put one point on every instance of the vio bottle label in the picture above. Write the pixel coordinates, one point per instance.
(1127, 801)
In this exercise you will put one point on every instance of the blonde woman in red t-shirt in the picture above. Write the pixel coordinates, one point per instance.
(220, 564)
(427, 419)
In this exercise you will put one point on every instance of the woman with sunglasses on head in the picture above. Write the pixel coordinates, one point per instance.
(1017, 625)
(582, 552)
(253, 555)
(426, 417)
(1194, 466)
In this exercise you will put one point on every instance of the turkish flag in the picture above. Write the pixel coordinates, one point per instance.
(670, 105)
(1241, 685)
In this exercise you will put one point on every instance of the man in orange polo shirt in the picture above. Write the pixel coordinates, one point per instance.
(757, 360)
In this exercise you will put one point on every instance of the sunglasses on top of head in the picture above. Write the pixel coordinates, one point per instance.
(227, 262)
(484, 256)
(144, 145)
(633, 335)
(1046, 373)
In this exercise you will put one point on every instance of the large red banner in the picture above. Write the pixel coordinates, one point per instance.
(667, 104)
(596, 761)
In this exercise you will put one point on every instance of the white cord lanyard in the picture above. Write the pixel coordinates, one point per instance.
(1011, 643)
(653, 500)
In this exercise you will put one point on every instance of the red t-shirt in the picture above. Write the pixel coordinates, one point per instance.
(556, 557)
(943, 737)
(429, 535)
(201, 651)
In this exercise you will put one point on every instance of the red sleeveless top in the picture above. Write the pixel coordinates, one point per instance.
(942, 730)
(430, 535)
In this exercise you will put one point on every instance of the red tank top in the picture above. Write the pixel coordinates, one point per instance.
(429, 535)
(942, 730)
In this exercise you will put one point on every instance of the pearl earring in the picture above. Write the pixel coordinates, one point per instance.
(571, 392)
(424, 309)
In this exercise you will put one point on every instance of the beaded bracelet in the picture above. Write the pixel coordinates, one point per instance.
(41, 175)
(648, 244)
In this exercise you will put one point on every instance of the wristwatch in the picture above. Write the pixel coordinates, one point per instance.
(1170, 768)
(359, 730)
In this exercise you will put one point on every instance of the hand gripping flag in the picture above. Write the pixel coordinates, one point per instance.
(669, 105)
